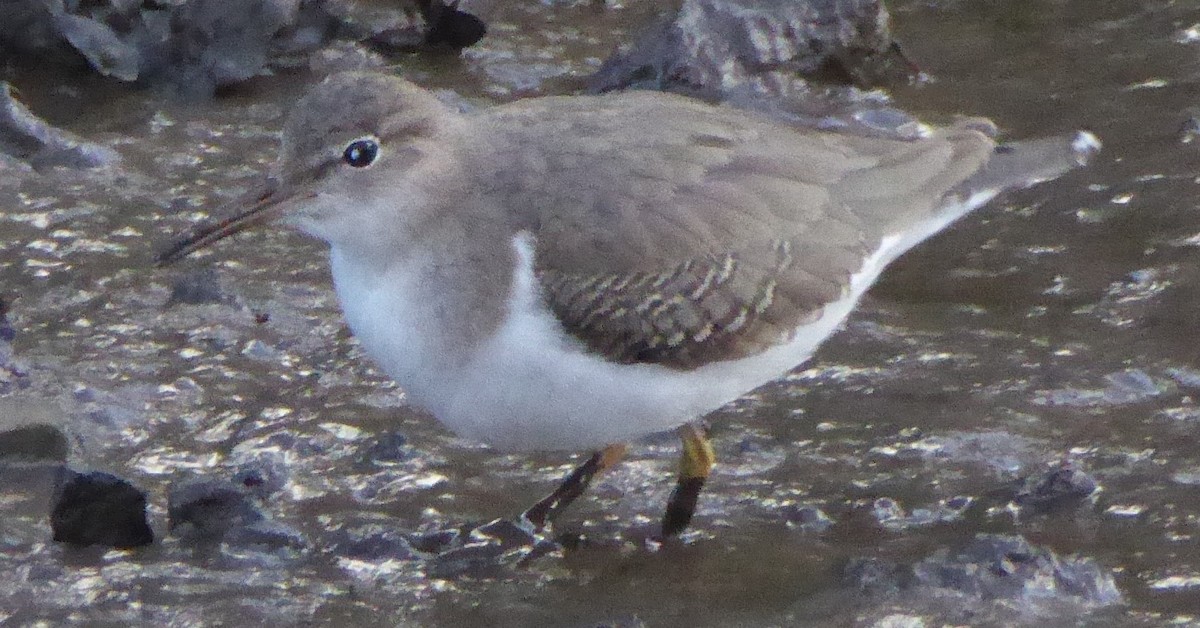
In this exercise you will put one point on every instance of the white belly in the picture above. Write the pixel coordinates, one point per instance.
(532, 386)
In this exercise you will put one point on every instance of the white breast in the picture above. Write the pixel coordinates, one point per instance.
(532, 386)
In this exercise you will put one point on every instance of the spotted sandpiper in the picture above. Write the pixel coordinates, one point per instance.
(572, 273)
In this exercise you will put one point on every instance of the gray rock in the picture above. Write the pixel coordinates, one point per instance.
(223, 42)
(27, 137)
(711, 46)
(994, 567)
(100, 45)
(14, 375)
(993, 580)
(344, 57)
(875, 576)
(198, 46)
(761, 54)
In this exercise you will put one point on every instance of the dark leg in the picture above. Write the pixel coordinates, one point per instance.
(573, 486)
(695, 464)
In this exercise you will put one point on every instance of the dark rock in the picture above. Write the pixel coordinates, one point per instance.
(505, 533)
(435, 24)
(809, 518)
(198, 287)
(1060, 489)
(99, 509)
(484, 551)
(29, 28)
(219, 42)
(435, 541)
(30, 443)
(447, 26)
(958, 504)
(34, 430)
(262, 477)
(205, 511)
(267, 534)
(7, 333)
(474, 560)
(372, 542)
(378, 25)
(388, 447)
(27, 137)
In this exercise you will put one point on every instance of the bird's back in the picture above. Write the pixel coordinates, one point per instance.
(674, 232)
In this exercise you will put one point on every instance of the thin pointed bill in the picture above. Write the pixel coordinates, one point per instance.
(260, 205)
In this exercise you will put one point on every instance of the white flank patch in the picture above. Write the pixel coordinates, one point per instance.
(532, 386)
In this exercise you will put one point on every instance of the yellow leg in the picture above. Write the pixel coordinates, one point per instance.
(573, 485)
(698, 457)
(695, 463)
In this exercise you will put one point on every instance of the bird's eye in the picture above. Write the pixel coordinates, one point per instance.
(361, 153)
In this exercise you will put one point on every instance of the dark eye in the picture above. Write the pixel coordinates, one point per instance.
(361, 153)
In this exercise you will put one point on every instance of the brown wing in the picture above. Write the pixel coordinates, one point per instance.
(682, 234)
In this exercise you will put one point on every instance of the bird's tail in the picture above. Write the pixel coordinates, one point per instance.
(1026, 162)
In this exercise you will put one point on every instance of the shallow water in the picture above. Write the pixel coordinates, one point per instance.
(1055, 326)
